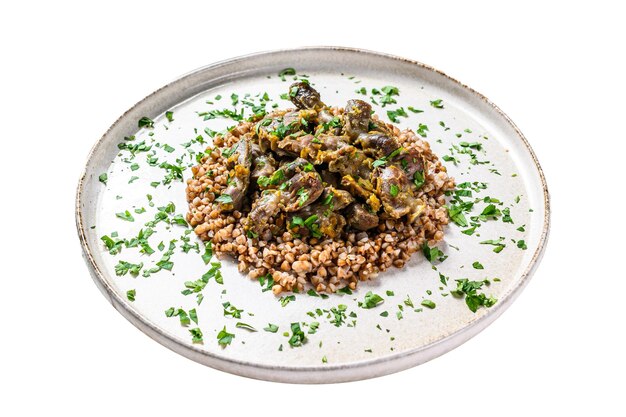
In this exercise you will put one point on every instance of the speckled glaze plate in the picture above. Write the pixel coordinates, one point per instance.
(395, 335)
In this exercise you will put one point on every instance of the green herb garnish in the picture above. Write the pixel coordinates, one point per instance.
(438, 104)
(224, 198)
(196, 335)
(145, 122)
(125, 216)
(272, 328)
(224, 338)
(473, 299)
(298, 338)
(286, 71)
(371, 300)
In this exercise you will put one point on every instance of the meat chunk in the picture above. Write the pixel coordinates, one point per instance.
(350, 161)
(322, 217)
(411, 161)
(302, 190)
(304, 96)
(360, 218)
(239, 176)
(271, 130)
(357, 118)
(264, 209)
(393, 187)
(330, 178)
(336, 199)
(289, 149)
(377, 144)
(263, 166)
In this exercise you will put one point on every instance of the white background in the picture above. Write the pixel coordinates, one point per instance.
(69, 70)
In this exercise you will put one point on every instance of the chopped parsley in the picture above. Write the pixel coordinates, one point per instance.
(208, 252)
(438, 104)
(379, 162)
(286, 299)
(196, 335)
(125, 216)
(130, 294)
(433, 254)
(193, 315)
(169, 115)
(286, 71)
(231, 310)
(473, 298)
(272, 328)
(298, 338)
(241, 325)
(123, 267)
(497, 243)
(303, 196)
(263, 181)
(145, 122)
(394, 114)
(418, 178)
(428, 303)
(371, 300)
(313, 327)
(338, 315)
(103, 178)
(421, 130)
(224, 198)
(388, 92)
(224, 338)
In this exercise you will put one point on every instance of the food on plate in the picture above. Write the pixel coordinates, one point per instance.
(318, 196)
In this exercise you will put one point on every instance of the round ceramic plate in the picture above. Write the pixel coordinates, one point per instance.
(492, 163)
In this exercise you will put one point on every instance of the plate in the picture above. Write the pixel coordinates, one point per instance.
(479, 143)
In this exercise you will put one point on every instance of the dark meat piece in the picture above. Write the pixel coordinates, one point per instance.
(377, 144)
(297, 165)
(395, 191)
(350, 161)
(362, 188)
(263, 166)
(266, 207)
(302, 190)
(295, 145)
(359, 218)
(239, 176)
(330, 178)
(336, 199)
(357, 118)
(317, 221)
(322, 218)
(303, 96)
(411, 161)
(318, 149)
(272, 130)
(279, 178)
